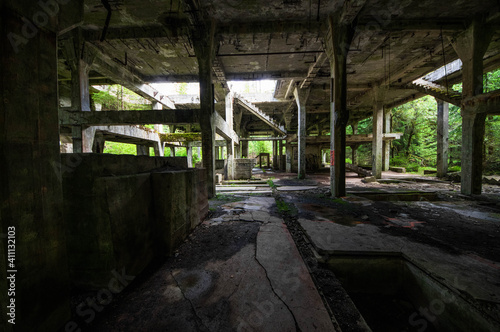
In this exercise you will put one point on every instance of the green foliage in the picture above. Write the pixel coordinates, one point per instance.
(257, 147)
(120, 148)
(181, 88)
(116, 97)
(348, 160)
(271, 184)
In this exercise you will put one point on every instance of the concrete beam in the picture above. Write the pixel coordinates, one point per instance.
(488, 103)
(124, 76)
(350, 139)
(223, 129)
(234, 76)
(67, 118)
(255, 139)
(180, 29)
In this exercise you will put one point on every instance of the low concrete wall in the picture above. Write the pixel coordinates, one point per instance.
(123, 221)
(243, 168)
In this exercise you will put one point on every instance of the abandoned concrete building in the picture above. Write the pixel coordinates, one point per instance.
(101, 242)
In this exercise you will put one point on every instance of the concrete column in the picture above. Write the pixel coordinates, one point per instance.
(244, 149)
(280, 153)
(275, 155)
(386, 145)
(442, 137)
(471, 45)
(72, 46)
(301, 96)
(98, 144)
(337, 46)
(354, 148)
(31, 173)
(203, 41)
(378, 129)
(142, 150)
(189, 153)
(288, 167)
(230, 160)
(159, 150)
(172, 151)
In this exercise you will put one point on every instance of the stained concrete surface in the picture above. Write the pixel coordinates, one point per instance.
(239, 271)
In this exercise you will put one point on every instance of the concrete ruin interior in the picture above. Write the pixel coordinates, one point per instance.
(88, 224)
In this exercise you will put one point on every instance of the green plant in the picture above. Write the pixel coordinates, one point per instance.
(271, 184)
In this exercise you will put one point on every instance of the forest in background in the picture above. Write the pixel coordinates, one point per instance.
(416, 120)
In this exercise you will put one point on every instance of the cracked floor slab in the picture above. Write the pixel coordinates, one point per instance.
(237, 272)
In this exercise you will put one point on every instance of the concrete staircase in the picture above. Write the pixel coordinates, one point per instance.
(260, 114)
(436, 90)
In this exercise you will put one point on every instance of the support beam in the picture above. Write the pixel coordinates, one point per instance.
(442, 138)
(471, 46)
(124, 76)
(168, 117)
(337, 42)
(204, 41)
(301, 96)
(224, 129)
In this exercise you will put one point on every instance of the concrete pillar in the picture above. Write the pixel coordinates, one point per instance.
(378, 126)
(142, 150)
(189, 154)
(354, 154)
(301, 96)
(98, 144)
(288, 167)
(280, 154)
(275, 155)
(172, 151)
(203, 41)
(230, 160)
(386, 145)
(442, 137)
(471, 45)
(337, 46)
(71, 44)
(159, 150)
(244, 149)
(31, 173)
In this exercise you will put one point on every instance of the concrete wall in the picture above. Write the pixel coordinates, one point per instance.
(122, 221)
(243, 168)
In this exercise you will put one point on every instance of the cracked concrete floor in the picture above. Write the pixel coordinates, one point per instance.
(238, 272)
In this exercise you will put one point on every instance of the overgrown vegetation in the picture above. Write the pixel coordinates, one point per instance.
(417, 148)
